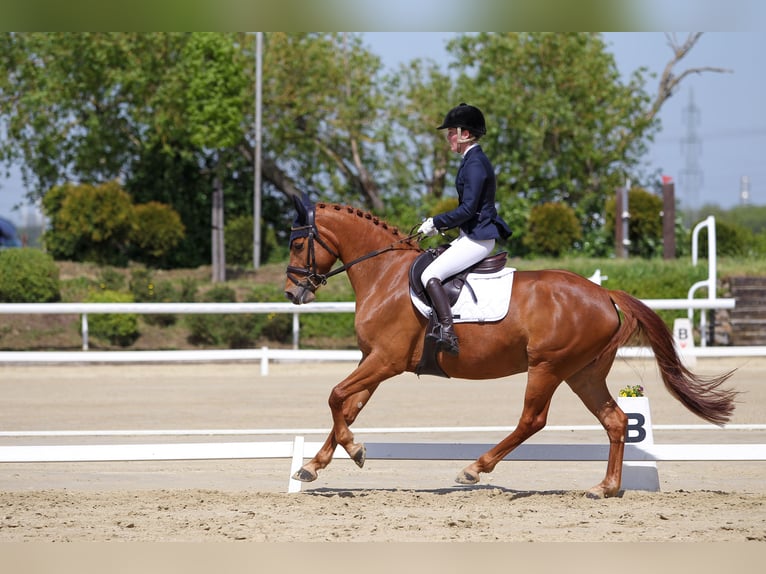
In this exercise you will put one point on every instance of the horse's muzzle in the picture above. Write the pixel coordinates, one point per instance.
(299, 295)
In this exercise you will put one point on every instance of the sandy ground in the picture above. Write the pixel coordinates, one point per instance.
(386, 501)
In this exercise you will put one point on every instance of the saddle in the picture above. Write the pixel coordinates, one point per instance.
(429, 364)
(452, 285)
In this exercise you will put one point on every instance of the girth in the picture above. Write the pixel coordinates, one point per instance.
(455, 283)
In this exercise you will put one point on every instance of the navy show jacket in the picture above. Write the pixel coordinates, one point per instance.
(476, 214)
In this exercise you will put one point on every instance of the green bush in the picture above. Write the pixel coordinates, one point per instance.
(187, 290)
(118, 328)
(235, 331)
(158, 231)
(732, 240)
(146, 290)
(238, 236)
(28, 276)
(110, 278)
(89, 223)
(552, 229)
(276, 327)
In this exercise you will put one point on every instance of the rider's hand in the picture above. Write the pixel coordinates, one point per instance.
(427, 228)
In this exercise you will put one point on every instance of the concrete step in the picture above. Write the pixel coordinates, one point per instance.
(747, 280)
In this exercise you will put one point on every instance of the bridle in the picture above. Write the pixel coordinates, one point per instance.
(312, 279)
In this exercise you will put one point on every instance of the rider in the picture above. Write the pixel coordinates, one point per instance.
(476, 216)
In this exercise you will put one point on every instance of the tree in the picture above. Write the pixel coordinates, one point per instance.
(169, 114)
(322, 104)
(93, 107)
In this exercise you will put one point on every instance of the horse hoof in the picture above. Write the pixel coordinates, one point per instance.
(600, 491)
(360, 456)
(304, 475)
(467, 478)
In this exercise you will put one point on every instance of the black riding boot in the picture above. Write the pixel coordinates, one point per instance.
(443, 332)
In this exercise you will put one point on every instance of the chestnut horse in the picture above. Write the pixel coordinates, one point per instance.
(559, 327)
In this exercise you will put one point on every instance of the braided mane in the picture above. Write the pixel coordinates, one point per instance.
(366, 215)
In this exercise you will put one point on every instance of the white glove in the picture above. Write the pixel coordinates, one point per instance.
(427, 228)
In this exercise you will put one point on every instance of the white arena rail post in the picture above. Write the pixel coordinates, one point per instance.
(639, 475)
(84, 324)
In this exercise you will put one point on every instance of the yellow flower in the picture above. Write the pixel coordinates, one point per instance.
(632, 391)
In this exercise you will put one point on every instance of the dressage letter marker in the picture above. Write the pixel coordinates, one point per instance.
(683, 335)
(639, 475)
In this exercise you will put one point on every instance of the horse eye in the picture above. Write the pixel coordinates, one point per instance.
(298, 246)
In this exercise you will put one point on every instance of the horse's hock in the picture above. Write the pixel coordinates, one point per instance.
(748, 318)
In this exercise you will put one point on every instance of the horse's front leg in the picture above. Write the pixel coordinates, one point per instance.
(346, 401)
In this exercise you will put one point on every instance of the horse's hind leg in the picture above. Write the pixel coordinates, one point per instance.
(590, 385)
(541, 384)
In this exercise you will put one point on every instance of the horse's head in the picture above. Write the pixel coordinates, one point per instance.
(311, 256)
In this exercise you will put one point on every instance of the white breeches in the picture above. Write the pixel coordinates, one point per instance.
(462, 253)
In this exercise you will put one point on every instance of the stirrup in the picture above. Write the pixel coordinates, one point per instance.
(445, 339)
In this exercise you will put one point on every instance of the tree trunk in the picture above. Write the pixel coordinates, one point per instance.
(219, 250)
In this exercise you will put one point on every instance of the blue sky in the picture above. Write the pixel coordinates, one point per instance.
(730, 129)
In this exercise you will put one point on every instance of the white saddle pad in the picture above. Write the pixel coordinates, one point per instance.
(493, 296)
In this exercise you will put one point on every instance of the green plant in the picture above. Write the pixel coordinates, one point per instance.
(28, 276)
(145, 290)
(118, 328)
(238, 237)
(632, 391)
(276, 327)
(187, 289)
(89, 223)
(235, 330)
(110, 278)
(158, 231)
(552, 229)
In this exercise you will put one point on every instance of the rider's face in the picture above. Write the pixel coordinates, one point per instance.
(452, 139)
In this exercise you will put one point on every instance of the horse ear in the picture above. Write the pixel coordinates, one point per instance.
(302, 206)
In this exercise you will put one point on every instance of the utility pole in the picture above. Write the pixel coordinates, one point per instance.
(622, 222)
(257, 154)
(744, 190)
(668, 218)
(691, 147)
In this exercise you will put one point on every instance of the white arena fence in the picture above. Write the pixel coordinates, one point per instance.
(265, 354)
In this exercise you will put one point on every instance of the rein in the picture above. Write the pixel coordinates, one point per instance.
(313, 279)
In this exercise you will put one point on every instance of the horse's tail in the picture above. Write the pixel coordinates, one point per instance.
(703, 396)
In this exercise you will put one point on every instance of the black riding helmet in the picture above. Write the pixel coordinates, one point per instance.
(465, 117)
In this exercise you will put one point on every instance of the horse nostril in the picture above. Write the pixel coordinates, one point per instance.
(290, 296)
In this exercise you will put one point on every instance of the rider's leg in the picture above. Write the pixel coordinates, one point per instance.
(444, 332)
(462, 253)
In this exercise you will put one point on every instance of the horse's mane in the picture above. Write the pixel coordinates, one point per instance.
(364, 215)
